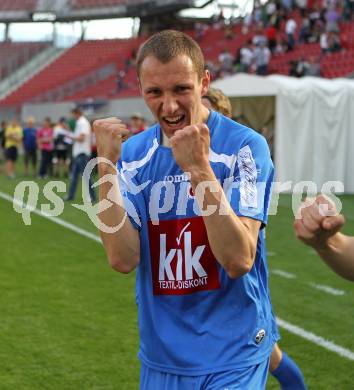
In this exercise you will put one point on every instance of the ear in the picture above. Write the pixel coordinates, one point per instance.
(205, 82)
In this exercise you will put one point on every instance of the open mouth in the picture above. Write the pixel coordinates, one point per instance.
(174, 121)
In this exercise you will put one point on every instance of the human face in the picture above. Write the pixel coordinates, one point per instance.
(173, 92)
(137, 123)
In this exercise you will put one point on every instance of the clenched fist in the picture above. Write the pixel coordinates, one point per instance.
(190, 147)
(317, 221)
(110, 133)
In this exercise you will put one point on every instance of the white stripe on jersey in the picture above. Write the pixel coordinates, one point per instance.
(130, 166)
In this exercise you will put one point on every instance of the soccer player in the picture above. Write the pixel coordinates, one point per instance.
(318, 225)
(196, 187)
(281, 366)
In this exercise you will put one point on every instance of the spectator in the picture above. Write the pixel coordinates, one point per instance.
(324, 43)
(13, 138)
(302, 67)
(348, 10)
(2, 143)
(290, 29)
(271, 34)
(313, 68)
(302, 5)
(45, 138)
(293, 68)
(287, 5)
(30, 146)
(200, 29)
(226, 61)
(333, 42)
(246, 59)
(213, 69)
(270, 11)
(261, 58)
(305, 31)
(81, 153)
(332, 17)
(259, 37)
(229, 32)
(120, 84)
(61, 160)
(247, 23)
(281, 47)
(137, 124)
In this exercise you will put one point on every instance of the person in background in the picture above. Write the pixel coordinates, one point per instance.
(81, 153)
(214, 99)
(137, 123)
(30, 146)
(246, 56)
(2, 144)
(281, 366)
(261, 58)
(61, 160)
(290, 30)
(45, 142)
(13, 138)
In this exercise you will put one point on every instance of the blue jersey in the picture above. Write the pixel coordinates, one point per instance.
(193, 318)
(29, 138)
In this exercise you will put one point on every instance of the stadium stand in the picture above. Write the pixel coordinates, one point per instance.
(99, 69)
(81, 59)
(18, 5)
(15, 54)
(98, 3)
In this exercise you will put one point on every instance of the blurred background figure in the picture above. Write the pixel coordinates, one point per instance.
(81, 153)
(2, 144)
(30, 146)
(137, 123)
(45, 142)
(13, 138)
(61, 159)
(216, 100)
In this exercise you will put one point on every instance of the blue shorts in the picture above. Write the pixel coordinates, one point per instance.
(254, 377)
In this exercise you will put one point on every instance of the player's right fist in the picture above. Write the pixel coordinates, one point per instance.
(317, 221)
(110, 133)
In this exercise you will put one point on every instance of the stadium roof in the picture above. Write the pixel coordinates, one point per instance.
(75, 10)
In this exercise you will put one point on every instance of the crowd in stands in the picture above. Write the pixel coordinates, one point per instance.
(278, 27)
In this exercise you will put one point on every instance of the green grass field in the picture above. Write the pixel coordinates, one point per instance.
(69, 322)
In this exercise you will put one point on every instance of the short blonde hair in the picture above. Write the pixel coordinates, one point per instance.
(219, 101)
(31, 119)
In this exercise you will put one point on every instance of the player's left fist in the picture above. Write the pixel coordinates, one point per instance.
(190, 147)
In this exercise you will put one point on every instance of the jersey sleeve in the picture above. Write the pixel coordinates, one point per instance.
(249, 187)
(130, 194)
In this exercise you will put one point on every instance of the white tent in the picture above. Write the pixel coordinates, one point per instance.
(314, 125)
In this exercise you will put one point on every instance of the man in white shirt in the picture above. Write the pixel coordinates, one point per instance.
(81, 152)
(290, 29)
(246, 56)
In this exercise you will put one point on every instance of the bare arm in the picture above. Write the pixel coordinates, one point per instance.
(339, 255)
(233, 240)
(320, 230)
(123, 246)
